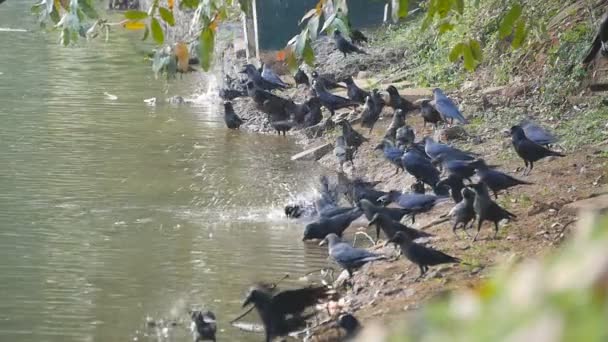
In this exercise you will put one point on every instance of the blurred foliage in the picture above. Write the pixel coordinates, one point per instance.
(560, 297)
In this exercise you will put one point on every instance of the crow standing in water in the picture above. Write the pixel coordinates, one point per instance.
(528, 150)
(354, 92)
(232, 120)
(347, 256)
(281, 312)
(344, 45)
(301, 78)
(421, 255)
(488, 210)
(204, 325)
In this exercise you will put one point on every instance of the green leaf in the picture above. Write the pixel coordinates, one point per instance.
(507, 22)
(245, 5)
(445, 27)
(135, 15)
(520, 34)
(456, 52)
(88, 9)
(157, 31)
(340, 25)
(443, 7)
(469, 60)
(476, 50)
(313, 27)
(166, 15)
(328, 22)
(146, 33)
(191, 4)
(459, 4)
(292, 62)
(206, 47)
(399, 9)
(301, 42)
(308, 54)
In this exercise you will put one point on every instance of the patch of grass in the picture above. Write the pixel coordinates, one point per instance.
(588, 127)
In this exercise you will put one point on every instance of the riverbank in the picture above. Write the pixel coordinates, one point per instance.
(384, 290)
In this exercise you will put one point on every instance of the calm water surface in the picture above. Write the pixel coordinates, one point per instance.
(112, 210)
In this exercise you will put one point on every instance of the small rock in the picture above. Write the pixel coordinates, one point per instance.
(476, 270)
(542, 232)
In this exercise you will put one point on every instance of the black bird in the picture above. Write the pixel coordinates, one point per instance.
(232, 120)
(415, 203)
(459, 168)
(255, 76)
(369, 115)
(537, 133)
(336, 224)
(429, 113)
(370, 210)
(355, 190)
(495, 180)
(354, 92)
(390, 227)
(528, 150)
(405, 136)
(455, 184)
(331, 101)
(397, 101)
(343, 152)
(347, 256)
(328, 80)
(231, 94)
(434, 149)
(344, 45)
(357, 37)
(600, 42)
(344, 329)
(397, 122)
(281, 312)
(301, 78)
(379, 102)
(488, 210)
(419, 167)
(282, 126)
(463, 212)
(391, 153)
(353, 138)
(269, 75)
(276, 110)
(298, 111)
(314, 115)
(204, 325)
(259, 96)
(421, 255)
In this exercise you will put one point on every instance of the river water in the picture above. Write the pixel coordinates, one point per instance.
(113, 210)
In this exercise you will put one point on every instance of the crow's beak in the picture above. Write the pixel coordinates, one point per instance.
(247, 301)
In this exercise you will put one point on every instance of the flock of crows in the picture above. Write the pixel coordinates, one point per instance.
(468, 181)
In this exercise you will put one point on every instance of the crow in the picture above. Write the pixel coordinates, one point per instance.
(344, 45)
(343, 152)
(353, 138)
(344, 329)
(599, 44)
(331, 101)
(421, 255)
(269, 75)
(314, 115)
(369, 115)
(229, 94)
(328, 80)
(204, 325)
(253, 75)
(354, 92)
(281, 312)
(447, 108)
(390, 227)
(488, 210)
(392, 154)
(455, 184)
(336, 224)
(495, 180)
(528, 150)
(537, 133)
(397, 122)
(232, 120)
(357, 37)
(282, 126)
(405, 137)
(347, 256)
(370, 210)
(397, 101)
(434, 149)
(415, 203)
(301, 78)
(429, 113)
(420, 167)
(463, 212)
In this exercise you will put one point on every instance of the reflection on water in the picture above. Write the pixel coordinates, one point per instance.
(113, 210)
